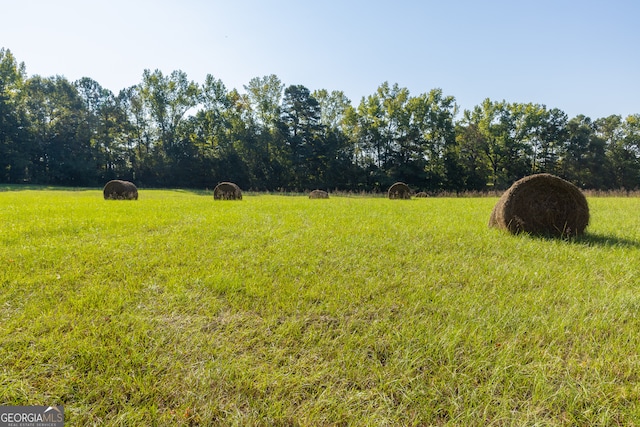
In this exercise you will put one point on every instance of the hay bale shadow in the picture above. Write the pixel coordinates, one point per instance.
(542, 204)
(399, 190)
(227, 191)
(120, 190)
(318, 194)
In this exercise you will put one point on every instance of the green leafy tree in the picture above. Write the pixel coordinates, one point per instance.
(541, 131)
(261, 110)
(552, 135)
(221, 131)
(14, 142)
(507, 155)
(137, 133)
(303, 133)
(412, 139)
(431, 157)
(265, 97)
(104, 127)
(335, 107)
(394, 128)
(58, 123)
(630, 179)
(621, 139)
(212, 117)
(168, 130)
(166, 99)
(584, 157)
(370, 149)
(470, 141)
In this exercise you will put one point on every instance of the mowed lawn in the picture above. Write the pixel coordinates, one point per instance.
(176, 309)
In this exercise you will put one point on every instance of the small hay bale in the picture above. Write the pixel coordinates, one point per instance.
(318, 194)
(422, 194)
(227, 191)
(120, 190)
(542, 204)
(399, 190)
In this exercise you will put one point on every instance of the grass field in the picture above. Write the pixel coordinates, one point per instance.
(275, 310)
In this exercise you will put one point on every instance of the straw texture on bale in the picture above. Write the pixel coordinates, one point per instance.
(318, 194)
(120, 190)
(542, 204)
(422, 194)
(227, 191)
(399, 190)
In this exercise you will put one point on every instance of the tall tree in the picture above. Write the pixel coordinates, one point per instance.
(104, 120)
(371, 155)
(14, 147)
(631, 151)
(58, 122)
(431, 146)
(167, 99)
(553, 134)
(621, 139)
(211, 120)
(265, 97)
(261, 111)
(584, 157)
(214, 136)
(304, 136)
(506, 154)
(394, 126)
(471, 143)
(335, 108)
(136, 132)
(262, 167)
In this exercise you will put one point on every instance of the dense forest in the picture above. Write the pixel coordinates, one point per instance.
(168, 131)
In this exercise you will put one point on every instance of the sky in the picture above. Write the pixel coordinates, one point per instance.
(581, 56)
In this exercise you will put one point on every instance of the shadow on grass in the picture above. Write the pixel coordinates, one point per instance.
(34, 187)
(592, 239)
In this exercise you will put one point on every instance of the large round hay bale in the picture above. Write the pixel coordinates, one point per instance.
(542, 204)
(227, 191)
(120, 190)
(318, 194)
(399, 190)
(422, 194)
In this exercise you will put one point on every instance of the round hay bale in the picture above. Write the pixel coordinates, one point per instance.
(542, 204)
(227, 191)
(120, 190)
(422, 194)
(318, 194)
(399, 190)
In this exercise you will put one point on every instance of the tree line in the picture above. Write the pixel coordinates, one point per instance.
(168, 131)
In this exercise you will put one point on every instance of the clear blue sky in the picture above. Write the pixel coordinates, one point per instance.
(580, 56)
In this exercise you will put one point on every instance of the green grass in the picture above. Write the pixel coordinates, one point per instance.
(178, 310)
